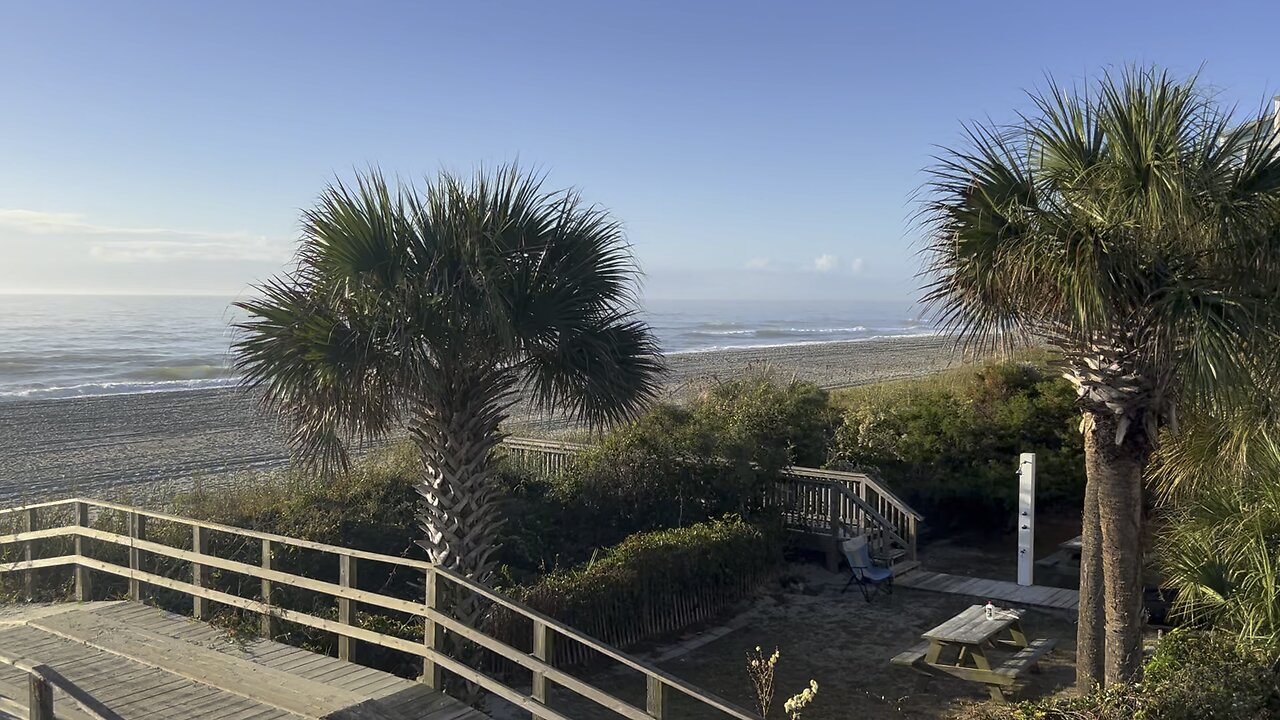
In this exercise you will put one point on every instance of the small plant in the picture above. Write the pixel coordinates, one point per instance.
(801, 700)
(760, 669)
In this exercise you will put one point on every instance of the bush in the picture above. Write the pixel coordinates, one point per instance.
(370, 507)
(1192, 676)
(1218, 549)
(656, 583)
(950, 445)
(673, 467)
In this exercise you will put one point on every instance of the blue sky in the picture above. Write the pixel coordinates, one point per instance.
(753, 150)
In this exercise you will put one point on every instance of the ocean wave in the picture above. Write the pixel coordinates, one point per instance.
(116, 388)
(779, 332)
(180, 372)
(715, 333)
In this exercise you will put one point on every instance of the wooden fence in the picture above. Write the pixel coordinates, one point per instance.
(69, 527)
(824, 502)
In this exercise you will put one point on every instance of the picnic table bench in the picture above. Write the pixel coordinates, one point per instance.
(959, 646)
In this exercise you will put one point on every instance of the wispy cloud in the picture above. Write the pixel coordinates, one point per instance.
(825, 263)
(856, 266)
(141, 244)
(759, 263)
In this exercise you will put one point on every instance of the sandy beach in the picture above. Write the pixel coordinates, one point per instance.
(143, 447)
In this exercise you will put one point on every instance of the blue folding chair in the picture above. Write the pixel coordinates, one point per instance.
(869, 577)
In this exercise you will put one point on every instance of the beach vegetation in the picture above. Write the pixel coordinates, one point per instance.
(1132, 226)
(948, 444)
(1193, 675)
(428, 310)
(653, 584)
(672, 467)
(1218, 547)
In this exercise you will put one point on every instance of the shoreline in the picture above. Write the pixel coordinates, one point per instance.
(231, 382)
(146, 446)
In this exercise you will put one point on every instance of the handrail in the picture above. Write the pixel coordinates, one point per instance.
(431, 651)
(539, 445)
(870, 511)
(869, 480)
(43, 679)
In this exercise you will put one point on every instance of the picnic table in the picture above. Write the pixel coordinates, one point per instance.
(959, 647)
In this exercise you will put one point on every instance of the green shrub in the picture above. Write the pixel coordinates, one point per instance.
(673, 467)
(656, 583)
(1192, 676)
(950, 445)
(1219, 549)
(370, 507)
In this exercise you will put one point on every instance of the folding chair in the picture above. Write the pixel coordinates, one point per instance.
(870, 578)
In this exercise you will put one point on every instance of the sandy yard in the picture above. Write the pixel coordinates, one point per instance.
(842, 642)
(845, 644)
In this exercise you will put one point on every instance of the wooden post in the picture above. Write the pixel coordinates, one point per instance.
(432, 634)
(911, 538)
(137, 531)
(199, 573)
(543, 649)
(269, 624)
(655, 697)
(84, 581)
(40, 699)
(346, 607)
(833, 513)
(30, 524)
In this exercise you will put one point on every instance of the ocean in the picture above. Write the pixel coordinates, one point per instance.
(59, 346)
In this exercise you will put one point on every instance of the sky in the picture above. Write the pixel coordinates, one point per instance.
(752, 150)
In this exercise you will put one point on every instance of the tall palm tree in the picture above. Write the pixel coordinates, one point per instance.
(431, 310)
(1133, 227)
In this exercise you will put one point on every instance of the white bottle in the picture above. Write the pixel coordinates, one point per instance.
(990, 610)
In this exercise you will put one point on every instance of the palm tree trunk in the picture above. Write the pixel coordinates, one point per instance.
(1116, 469)
(456, 432)
(1089, 637)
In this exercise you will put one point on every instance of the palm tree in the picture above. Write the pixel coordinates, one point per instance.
(1134, 228)
(431, 311)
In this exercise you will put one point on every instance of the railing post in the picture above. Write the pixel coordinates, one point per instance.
(84, 581)
(40, 698)
(199, 573)
(346, 607)
(543, 649)
(137, 531)
(30, 524)
(432, 634)
(911, 538)
(269, 625)
(833, 519)
(655, 697)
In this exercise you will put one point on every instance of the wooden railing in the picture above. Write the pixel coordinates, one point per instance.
(84, 533)
(42, 680)
(807, 495)
(548, 456)
(811, 496)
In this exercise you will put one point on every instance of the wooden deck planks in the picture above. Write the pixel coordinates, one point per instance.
(994, 590)
(146, 663)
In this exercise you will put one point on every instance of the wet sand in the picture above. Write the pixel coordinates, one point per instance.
(146, 446)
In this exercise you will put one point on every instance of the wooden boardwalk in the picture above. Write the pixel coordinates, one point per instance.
(143, 662)
(995, 590)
